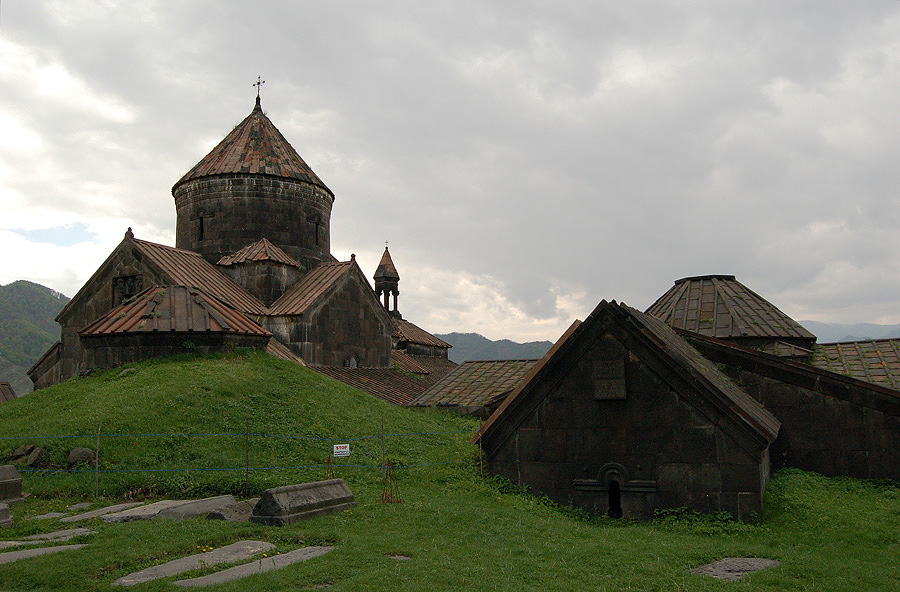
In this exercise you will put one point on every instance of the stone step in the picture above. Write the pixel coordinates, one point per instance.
(12, 556)
(254, 567)
(235, 552)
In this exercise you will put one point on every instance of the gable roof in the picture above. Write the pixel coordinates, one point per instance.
(165, 309)
(254, 146)
(7, 393)
(475, 383)
(839, 386)
(406, 331)
(722, 307)
(261, 250)
(311, 288)
(658, 344)
(387, 384)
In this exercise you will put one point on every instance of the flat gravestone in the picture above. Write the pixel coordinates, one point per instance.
(196, 508)
(12, 556)
(80, 506)
(10, 484)
(49, 516)
(734, 568)
(254, 567)
(285, 505)
(58, 536)
(142, 512)
(100, 512)
(236, 512)
(234, 552)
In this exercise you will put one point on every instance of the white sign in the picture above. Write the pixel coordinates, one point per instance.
(341, 450)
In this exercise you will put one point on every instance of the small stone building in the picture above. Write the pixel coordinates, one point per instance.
(623, 416)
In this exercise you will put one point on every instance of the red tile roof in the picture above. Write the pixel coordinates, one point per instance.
(388, 384)
(310, 288)
(876, 361)
(186, 268)
(720, 306)
(474, 384)
(406, 331)
(261, 250)
(254, 146)
(173, 309)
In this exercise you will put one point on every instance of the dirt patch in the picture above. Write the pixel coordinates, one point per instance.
(733, 568)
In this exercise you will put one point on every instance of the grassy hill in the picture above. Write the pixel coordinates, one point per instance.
(453, 530)
(27, 329)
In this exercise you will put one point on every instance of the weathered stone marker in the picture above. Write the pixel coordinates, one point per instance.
(285, 505)
(5, 518)
(10, 484)
(255, 567)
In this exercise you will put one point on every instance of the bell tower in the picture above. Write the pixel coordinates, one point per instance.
(387, 283)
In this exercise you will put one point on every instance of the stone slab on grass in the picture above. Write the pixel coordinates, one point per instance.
(80, 506)
(58, 536)
(236, 512)
(142, 512)
(9, 544)
(49, 516)
(5, 516)
(254, 567)
(235, 552)
(280, 506)
(10, 484)
(734, 568)
(29, 553)
(197, 508)
(100, 512)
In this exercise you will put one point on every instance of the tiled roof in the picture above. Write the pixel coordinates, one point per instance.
(261, 250)
(282, 352)
(310, 288)
(386, 269)
(173, 309)
(474, 384)
(406, 331)
(408, 363)
(7, 393)
(254, 146)
(722, 307)
(187, 268)
(649, 331)
(429, 368)
(388, 384)
(876, 361)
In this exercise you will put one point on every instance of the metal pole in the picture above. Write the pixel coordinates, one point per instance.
(97, 463)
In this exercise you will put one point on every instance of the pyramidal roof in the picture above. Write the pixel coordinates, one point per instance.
(261, 250)
(254, 146)
(386, 269)
(720, 306)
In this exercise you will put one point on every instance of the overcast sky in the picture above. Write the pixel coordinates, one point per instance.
(524, 159)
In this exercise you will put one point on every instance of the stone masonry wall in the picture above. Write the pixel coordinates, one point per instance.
(217, 216)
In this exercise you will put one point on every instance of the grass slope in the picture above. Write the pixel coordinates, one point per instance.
(460, 532)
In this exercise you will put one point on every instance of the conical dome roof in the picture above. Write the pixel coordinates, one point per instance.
(254, 146)
(386, 270)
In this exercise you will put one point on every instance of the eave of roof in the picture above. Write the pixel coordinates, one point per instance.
(406, 331)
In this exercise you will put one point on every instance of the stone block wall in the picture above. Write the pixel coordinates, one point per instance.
(267, 281)
(220, 215)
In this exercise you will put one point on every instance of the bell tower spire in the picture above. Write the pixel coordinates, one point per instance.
(387, 282)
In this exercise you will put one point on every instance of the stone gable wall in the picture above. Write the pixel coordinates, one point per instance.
(590, 430)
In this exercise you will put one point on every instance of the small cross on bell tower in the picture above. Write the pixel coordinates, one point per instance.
(258, 84)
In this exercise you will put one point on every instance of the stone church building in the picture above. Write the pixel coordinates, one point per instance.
(251, 267)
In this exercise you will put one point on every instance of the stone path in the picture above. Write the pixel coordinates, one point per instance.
(29, 553)
(733, 568)
(234, 552)
(100, 512)
(254, 567)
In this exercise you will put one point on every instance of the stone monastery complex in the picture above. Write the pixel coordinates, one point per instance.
(691, 403)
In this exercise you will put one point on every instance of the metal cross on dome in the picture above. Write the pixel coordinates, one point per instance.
(259, 82)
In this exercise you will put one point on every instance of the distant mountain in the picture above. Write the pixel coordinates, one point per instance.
(833, 333)
(472, 346)
(27, 329)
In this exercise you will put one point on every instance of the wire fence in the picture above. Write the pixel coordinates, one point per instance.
(115, 453)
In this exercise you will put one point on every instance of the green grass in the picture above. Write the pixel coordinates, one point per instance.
(459, 531)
